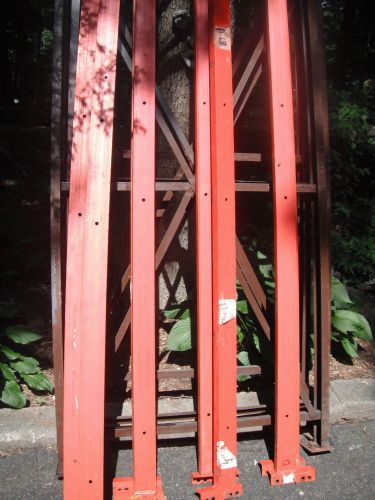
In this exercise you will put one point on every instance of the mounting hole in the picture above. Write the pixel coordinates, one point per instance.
(281, 105)
(90, 481)
(228, 427)
(143, 199)
(303, 478)
(106, 77)
(101, 120)
(205, 194)
(308, 477)
(84, 116)
(208, 414)
(144, 103)
(224, 104)
(285, 197)
(144, 432)
(277, 481)
(79, 214)
(226, 199)
(286, 416)
(96, 223)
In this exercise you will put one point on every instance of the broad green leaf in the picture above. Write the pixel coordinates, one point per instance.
(7, 372)
(12, 395)
(242, 306)
(243, 358)
(21, 336)
(339, 293)
(180, 338)
(185, 314)
(349, 347)
(9, 353)
(172, 313)
(256, 341)
(39, 381)
(25, 367)
(240, 335)
(349, 321)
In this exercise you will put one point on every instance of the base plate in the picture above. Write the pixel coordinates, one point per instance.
(123, 489)
(198, 478)
(224, 486)
(309, 444)
(297, 473)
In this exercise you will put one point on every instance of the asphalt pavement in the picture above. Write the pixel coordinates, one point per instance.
(346, 473)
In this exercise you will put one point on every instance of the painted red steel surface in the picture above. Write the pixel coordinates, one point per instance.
(223, 251)
(203, 242)
(144, 483)
(86, 285)
(287, 465)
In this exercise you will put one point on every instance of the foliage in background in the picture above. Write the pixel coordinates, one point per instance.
(350, 47)
(25, 107)
(348, 324)
(16, 368)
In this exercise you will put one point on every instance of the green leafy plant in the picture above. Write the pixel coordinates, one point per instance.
(348, 325)
(15, 368)
(180, 337)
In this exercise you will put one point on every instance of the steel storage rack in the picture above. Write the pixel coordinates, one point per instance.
(123, 188)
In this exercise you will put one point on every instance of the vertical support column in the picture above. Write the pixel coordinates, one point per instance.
(203, 238)
(145, 483)
(86, 286)
(318, 81)
(287, 465)
(55, 219)
(224, 461)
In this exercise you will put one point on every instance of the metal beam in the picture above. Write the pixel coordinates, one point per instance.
(144, 483)
(224, 458)
(287, 465)
(87, 255)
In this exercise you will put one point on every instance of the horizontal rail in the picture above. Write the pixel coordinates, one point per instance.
(184, 422)
(189, 373)
(241, 186)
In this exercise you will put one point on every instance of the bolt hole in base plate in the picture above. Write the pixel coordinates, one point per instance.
(298, 473)
(123, 489)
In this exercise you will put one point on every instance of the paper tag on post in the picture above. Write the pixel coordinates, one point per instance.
(222, 38)
(225, 458)
(288, 478)
(227, 310)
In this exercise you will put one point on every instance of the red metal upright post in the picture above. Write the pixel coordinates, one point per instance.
(287, 465)
(204, 247)
(224, 461)
(86, 285)
(145, 483)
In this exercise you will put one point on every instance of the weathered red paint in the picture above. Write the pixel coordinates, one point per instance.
(203, 242)
(225, 482)
(144, 483)
(86, 285)
(287, 465)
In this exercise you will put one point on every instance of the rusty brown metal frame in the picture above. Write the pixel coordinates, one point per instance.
(313, 189)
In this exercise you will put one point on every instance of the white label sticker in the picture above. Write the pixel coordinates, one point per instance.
(225, 458)
(227, 310)
(288, 478)
(222, 38)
